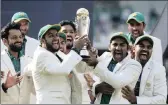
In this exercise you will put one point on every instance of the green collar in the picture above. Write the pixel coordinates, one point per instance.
(12, 57)
(132, 40)
(24, 40)
(113, 61)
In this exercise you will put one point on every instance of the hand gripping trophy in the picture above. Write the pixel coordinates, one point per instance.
(83, 24)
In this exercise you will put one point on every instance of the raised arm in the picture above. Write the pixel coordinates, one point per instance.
(50, 64)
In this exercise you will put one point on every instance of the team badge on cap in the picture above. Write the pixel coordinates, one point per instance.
(134, 14)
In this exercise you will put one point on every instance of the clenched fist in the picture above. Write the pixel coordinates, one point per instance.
(80, 42)
(104, 88)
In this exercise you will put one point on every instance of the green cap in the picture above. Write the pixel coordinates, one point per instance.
(144, 37)
(120, 35)
(62, 35)
(44, 29)
(18, 16)
(137, 16)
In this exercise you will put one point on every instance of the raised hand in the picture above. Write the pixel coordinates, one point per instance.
(93, 52)
(80, 42)
(92, 60)
(76, 37)
(12, 80)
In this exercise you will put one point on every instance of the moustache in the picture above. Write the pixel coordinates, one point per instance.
(117, 51)
(55, 40)
(18, 43)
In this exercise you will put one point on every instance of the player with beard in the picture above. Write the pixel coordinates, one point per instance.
(115, 68)
(151, 87)
(49, 71)
(136, 26)
(29, 44)
(12, 64)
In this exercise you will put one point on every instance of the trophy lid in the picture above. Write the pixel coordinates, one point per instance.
(82, 11)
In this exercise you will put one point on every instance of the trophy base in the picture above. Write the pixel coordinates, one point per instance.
(85, 56)
(84, 53)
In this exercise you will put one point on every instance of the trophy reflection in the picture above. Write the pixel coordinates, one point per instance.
(83, 24)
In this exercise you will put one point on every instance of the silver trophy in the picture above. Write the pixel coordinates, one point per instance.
(83, 24)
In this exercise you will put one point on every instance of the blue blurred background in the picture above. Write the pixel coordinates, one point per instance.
(42, 12)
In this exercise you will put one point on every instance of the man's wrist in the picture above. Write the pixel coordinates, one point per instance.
(95, 64)
(134, 101)
(97, 89)
(91, 83)
(4, 87)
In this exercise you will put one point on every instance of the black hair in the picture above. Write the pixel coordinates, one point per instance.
(67, 22)
(5, 30)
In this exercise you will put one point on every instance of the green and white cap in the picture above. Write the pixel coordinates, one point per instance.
(62, 35)
(137, 16)
(18, 16)
(45, 28)
(120, 35)
(144, 37)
